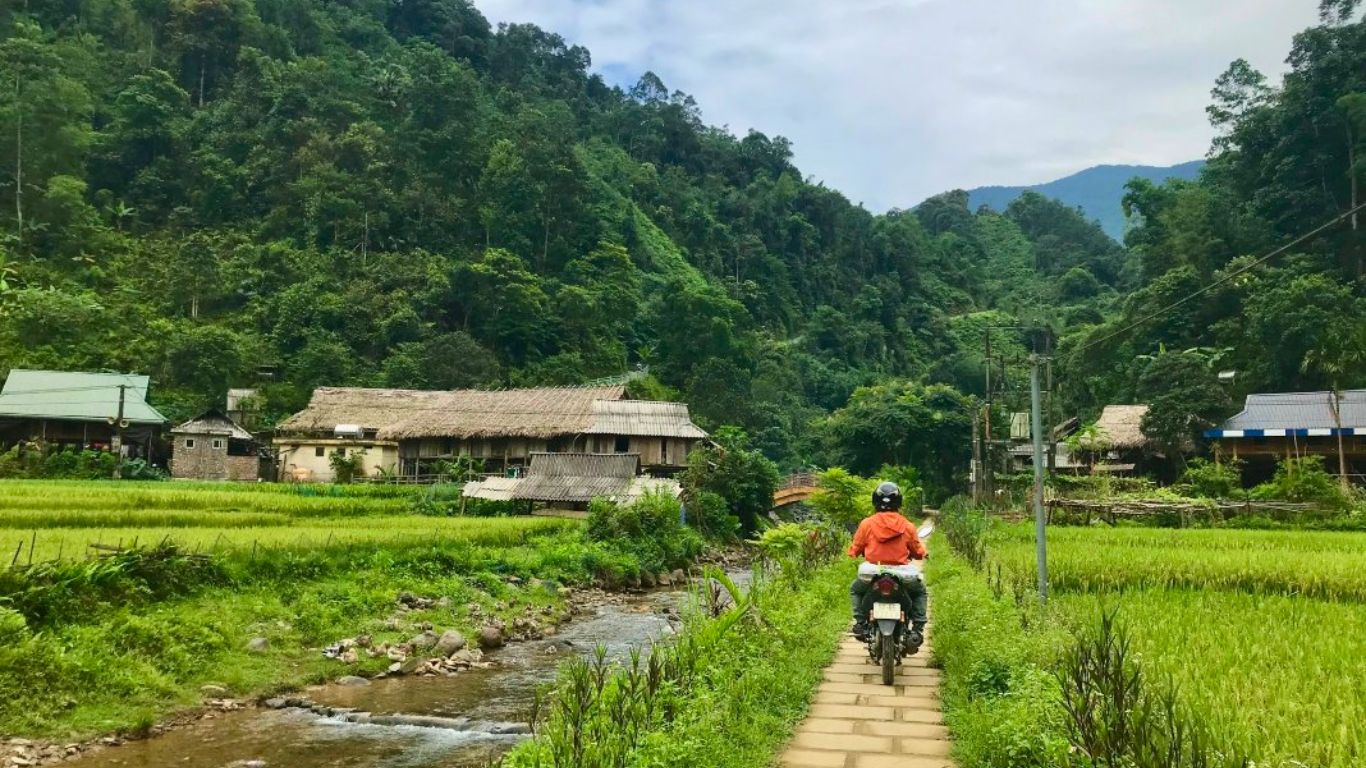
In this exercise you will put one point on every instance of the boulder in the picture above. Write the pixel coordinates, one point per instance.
(214, 691)
(352, 680)
(275, 703)
(664, 579)
(490, 637)
(449, 642)
(678, 576)
(258, 645)
(424, 641)
(648, 580)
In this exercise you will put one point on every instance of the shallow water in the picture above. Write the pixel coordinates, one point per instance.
(487, 697)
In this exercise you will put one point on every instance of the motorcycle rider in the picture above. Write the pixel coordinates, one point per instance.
(889, 539)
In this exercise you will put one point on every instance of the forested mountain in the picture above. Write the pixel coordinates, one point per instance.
(1098, 191)
(373, 192)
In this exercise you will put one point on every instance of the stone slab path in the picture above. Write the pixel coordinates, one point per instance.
(857, 722)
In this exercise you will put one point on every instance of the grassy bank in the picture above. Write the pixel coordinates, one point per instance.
(94, 641)
(727, 691)
(1245, 646)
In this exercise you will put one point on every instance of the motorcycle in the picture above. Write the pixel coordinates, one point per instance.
(890, 637)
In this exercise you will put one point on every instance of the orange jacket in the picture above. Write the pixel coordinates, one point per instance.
(887, 538)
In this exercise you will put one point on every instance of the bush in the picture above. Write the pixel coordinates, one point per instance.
(347, 467)
(1211, 480)
(651, 529)
(844, 498)
(1302, 480)
(711, 516)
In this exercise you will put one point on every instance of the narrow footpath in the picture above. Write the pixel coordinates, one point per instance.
(857, 722)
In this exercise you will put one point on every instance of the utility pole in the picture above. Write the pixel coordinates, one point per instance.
(988, 481)
(1040, 540)
(118, 434)
(976, 460)
(1335, 402)
(1052, 446)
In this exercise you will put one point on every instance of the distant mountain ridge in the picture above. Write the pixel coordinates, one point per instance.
(1098, 190)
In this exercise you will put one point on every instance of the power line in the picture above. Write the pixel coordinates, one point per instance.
(1157, 313)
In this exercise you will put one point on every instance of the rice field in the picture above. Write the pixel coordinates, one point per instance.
(1263, 633)
(42, 520)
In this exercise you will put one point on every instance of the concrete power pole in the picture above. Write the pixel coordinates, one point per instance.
(118, 434)
(1040, 534)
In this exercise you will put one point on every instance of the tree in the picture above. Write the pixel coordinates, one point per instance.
(45, 121)
(1184, 398)
(727, 468)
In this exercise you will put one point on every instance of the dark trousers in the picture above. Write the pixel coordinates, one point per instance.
(913, 597)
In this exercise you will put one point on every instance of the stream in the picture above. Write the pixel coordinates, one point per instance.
(477, 702)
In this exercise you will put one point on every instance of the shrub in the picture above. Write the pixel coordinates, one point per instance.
(711, 516)
(347, 467)
(1302, 480)
(650, 528)
(844, 498)
(1212, 480)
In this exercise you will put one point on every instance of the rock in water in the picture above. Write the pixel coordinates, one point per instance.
(258, 645)
(352, 680)
(450, 642)
(490, 637)
(679, 577)
(664, 579)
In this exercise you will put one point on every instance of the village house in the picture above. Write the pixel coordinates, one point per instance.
(214, 447)
(412, 433)
(1277, 425)
(77, 410)
(1120, 444)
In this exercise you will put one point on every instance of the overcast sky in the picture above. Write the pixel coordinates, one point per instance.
(891, 101)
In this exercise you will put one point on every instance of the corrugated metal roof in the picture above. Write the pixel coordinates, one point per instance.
(212, 422)
(577, 476)
(643, 418)
(76, 396)
(1299, 410)
(492, 488)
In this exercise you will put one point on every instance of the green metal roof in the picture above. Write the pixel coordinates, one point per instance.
(75, 396)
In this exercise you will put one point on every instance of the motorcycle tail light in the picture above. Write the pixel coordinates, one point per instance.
(885, 586)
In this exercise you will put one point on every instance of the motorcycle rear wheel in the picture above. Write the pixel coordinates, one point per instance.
(889, 655)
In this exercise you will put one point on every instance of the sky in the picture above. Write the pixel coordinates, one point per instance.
(891, 101)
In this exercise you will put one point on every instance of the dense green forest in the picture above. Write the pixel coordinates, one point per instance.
(383, 193)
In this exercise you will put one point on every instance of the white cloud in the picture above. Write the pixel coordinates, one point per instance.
(890, 101)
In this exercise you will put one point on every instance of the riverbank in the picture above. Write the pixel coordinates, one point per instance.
(474, 707)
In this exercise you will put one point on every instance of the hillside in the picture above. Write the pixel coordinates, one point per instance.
(1097, 190)
(237, 193)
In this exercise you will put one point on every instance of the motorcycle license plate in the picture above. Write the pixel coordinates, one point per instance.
(887, 611)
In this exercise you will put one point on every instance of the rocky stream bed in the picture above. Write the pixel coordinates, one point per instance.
(446, 701)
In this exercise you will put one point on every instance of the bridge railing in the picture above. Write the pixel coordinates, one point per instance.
(799, 480)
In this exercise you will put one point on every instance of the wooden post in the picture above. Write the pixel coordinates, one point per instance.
(1335, 402)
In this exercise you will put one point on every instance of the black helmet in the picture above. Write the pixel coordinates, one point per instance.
(887, 498)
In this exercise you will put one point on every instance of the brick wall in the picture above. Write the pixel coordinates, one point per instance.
(204, 462)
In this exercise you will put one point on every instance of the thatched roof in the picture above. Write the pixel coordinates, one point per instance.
(536, 413)
(643, 418)
(571, 477)
(213, 422)
(370, 409)
(404, 414)
(1120, 425)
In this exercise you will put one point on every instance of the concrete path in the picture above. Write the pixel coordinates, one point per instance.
(857, 722)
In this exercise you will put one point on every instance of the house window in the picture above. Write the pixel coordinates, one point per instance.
(217, 445)
(320, 451)
(623, 444)
(341, 452)
(189, 443)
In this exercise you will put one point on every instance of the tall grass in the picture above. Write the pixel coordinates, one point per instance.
(1307, 564)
